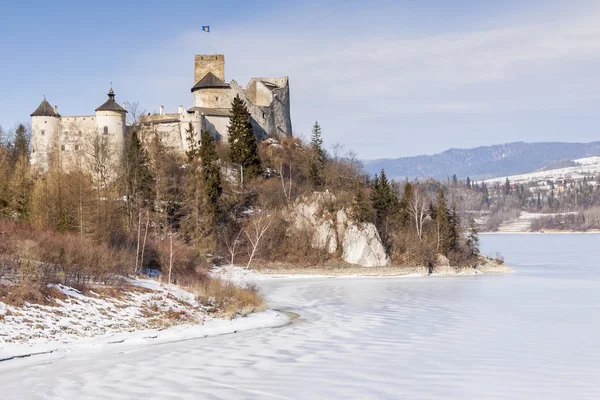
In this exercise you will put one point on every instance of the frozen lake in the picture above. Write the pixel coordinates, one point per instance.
(533, 334)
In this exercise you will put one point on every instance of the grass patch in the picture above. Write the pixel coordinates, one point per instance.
(18, 295)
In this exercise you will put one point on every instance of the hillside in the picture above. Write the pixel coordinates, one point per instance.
(485, 162)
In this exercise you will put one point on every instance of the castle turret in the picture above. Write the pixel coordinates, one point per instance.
(111, 124)
(45, 128)
(210, 90)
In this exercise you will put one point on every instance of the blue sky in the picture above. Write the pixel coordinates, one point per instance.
(383, 78)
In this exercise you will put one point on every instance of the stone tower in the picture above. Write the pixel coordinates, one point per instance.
(45, 130)
(205, 63)
(111, 124)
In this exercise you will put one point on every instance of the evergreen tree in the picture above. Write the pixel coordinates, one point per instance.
(137, 177)
(20, 189)
(211, 177)
(405, 219)
(507, 187)
(385, 204)
(486, 194)
(454, 180)
(192, 150)
(442, 222)
(317, 161)
(361, 211)
(473, 240)
(243, 149)
(20, 145)
(468, 182)
(454, 230)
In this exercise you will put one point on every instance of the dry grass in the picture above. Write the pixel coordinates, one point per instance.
(227, 299)
(18, 295)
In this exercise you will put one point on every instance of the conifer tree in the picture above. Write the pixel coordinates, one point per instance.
(473, 239)
(361, 211)
(385, 204)
(243, 149)
(137, 178)
(192, 150)
(405, 219)
(20, 188)
(211, 177)
(442, 223)
(317, 161)
(20, 145)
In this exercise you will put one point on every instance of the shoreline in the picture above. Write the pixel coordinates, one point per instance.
(10, 352)
(593, 232)
(241, 275)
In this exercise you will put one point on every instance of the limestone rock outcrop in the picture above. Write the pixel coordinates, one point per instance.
(331, 230)
(362, 245)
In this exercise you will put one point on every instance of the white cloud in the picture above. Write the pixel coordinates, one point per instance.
(349, 81)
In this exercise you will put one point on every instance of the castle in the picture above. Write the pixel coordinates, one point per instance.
(74, 137)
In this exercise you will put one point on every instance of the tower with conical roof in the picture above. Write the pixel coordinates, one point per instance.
(111, 125)
(45, 128)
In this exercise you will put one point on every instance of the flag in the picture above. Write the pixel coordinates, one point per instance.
(206, 28)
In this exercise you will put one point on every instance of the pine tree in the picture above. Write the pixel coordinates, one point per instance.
(473, 240)
(385, 204)
(361, 211)
(507, 187)
(243, 149)
(468, 182)
(317, 162)
(137, 178)
(211, 177)
(20, 145)
(442, 223)
(405, 219)
(20, 189)
(454, 230)
(192, 150)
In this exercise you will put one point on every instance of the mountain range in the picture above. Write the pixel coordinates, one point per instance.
(486, 161)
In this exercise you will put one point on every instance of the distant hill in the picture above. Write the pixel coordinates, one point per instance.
(485, 162)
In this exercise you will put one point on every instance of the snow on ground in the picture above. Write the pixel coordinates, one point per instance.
(523, 223)
(588, 160)
(138, 313)
(529, 335)
(587, 166)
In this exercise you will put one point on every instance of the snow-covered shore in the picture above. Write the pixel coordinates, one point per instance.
(142, 315)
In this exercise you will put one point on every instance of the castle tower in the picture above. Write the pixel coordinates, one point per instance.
(45, 129)
(111, 124)
(210, 90)
(205, 63)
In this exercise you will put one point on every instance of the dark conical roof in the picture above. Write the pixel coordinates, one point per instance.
(111, 104)
(210, 80)
(45, 110)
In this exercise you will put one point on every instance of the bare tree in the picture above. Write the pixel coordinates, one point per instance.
(255, 232)
(417, 209)
(232, 246)
(134, 113)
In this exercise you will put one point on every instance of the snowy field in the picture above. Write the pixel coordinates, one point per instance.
(527, 335)
(585, 167)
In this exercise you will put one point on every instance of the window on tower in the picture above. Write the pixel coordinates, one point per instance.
(43, 132)
(106, 130)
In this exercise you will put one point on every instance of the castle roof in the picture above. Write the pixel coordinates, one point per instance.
(111, 104)
(45, 110)
(210, 80)
(215, 112)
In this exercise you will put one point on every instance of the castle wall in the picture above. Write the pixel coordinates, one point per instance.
(44, 134)
(213, 98)
(216, 126)
(171, 128)
(112, 126)
(205, 63)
